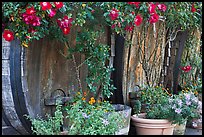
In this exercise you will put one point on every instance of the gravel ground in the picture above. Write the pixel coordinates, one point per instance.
(192, 131)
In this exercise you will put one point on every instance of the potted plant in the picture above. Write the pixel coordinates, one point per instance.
(155, 119)
(186, 106)
(163, 111)
(92, 118)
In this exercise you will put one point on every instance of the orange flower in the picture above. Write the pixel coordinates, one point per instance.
(85, 93)
(83, 98)
(196, 92)
(184, 83)
(99, 101)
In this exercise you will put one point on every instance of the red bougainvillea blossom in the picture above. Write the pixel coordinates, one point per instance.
(31, 19)
(134, 3)
(154, 18)
(58, 5)
(138, 20)
(52, 12)
(45, 5)
(193, 9)
(113, 26)
(31, 30)
(114, 14)
(65, 24)
(162, 7)
(8, 35)
(66, 30)
(30, 10)
(129, 27)
(186, 68)
(152, 8)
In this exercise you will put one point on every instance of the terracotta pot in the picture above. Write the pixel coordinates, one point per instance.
(180, 129)
(151, 126)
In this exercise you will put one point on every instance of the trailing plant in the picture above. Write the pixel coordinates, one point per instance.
(50, 126)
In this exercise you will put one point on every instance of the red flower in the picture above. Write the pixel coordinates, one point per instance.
(31, 19)
(8, 35)
(58, 4)
(52, 12)
(133, 12)
(134, 3)
(65, 22)
(45, 5)
(154, 18)
(193, 9)
(31, 30)
(66, 30)
(138, 20)
(113, 26)
(162, 7)
(114, 14)
(30, 10)
(152, 8)
(186, 68)
(129, 27)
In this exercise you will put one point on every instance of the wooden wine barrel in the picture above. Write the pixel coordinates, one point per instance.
(30, 78)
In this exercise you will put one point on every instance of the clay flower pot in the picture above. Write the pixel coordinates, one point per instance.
(151, 126)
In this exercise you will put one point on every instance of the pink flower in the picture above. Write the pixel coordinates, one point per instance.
(45, 5)
(178, 110)
(8, 35)
(58, 5)
(162, 7)
(114, 14)
(193, 9)
(52, 12)
(154, 18)
(138, 20)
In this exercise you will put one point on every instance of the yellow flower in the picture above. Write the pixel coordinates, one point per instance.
(92, 100)
(83, 5)
(78, 93)
(99, 101)
(25, 44)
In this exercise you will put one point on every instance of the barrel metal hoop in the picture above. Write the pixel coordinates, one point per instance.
(7, 122)
(16, 84)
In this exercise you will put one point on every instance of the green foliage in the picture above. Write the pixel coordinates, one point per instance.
(97, 119)
(50, 126)
(192, 56)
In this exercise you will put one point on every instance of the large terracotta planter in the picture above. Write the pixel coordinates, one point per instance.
(151, 126)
